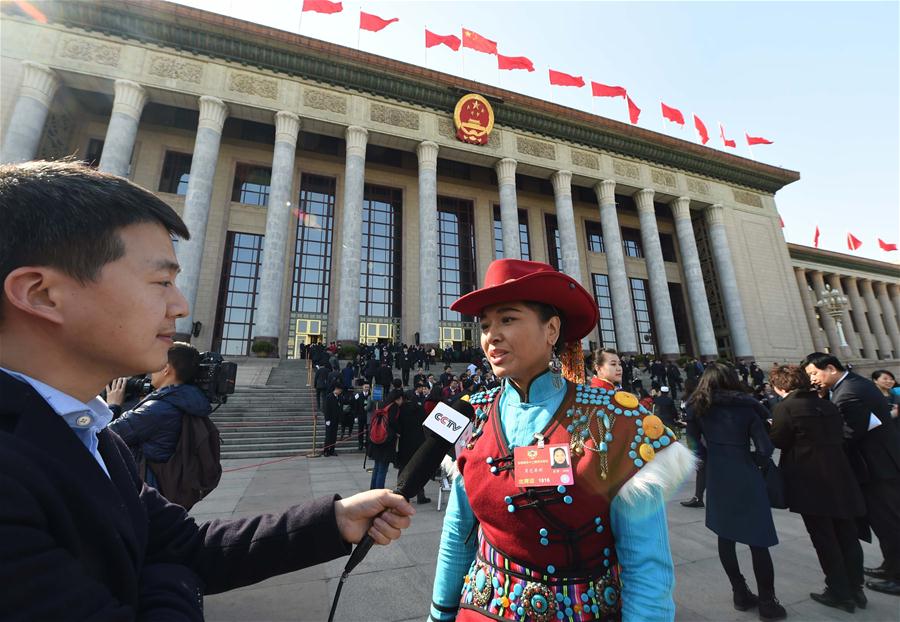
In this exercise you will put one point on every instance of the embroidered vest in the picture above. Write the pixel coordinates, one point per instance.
(549, 553)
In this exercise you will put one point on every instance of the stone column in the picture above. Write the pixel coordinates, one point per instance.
(885, 346)
(857, 308)
(509, 208)
(619, 288)
(693, 278)
(731, 297)
(123, 127)
(895, 298)
(570, 262)
(834, 340)
(351, 234)
(213, 113)
(267, 319)
(849, 334)
(429, 299)
(809, 308)
(887, 313)
(667, 338)
(26, 125)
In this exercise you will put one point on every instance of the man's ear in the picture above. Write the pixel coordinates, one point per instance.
(37, 291)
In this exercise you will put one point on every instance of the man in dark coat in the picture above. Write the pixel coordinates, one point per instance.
(673, 377)
(384, 377)
(320, 381)
(412, 435)
(87, 268)
(333, 416)
(873, 447)
(819, 484)
(664, 408)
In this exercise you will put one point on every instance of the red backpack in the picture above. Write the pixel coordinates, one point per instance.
(380, 428)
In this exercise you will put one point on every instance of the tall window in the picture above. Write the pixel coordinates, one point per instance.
(631, 241)
(606, 324)
(312, 253)
(679, 314)
(524, 245)
(642, 316)
(251, 184)
(594, 233)
(667, 244)
(93, 152)
(176, 172)
(456, 252)
(237, 293)
(554, 250)
(380, 280)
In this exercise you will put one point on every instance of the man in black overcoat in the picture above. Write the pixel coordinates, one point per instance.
(873, 447)
(88, 268)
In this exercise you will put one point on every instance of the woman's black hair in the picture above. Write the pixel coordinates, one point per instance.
(878, 373)
(717, 377)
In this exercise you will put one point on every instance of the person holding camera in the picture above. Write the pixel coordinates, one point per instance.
(88, 268)
(151, 429)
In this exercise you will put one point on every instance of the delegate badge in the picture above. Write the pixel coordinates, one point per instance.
(550, 465)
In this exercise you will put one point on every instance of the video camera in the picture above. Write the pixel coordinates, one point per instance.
(215, 377)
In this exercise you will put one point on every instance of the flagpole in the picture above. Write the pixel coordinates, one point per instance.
(358, 30)
(300, 21)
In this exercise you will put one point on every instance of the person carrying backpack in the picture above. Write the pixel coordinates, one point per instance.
(383, 437)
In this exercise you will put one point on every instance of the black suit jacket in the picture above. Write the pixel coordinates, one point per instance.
(76, 544)
(874, 454)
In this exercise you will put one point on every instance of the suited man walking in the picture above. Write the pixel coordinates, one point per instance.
(872, 442)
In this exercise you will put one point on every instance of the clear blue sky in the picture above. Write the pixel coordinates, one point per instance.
(821, 79)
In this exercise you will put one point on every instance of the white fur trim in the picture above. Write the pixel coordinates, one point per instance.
(449, 468)
(665, 472)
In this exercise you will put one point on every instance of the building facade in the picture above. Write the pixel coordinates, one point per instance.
(329, 198)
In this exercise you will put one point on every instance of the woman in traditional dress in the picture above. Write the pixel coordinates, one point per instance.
(595, 548)
(608, 368)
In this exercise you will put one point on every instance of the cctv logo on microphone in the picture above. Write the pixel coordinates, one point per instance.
(446, 422)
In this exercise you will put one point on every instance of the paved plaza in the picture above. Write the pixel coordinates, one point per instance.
(394, 583)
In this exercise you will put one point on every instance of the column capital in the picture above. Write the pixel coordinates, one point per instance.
(39, 82)
(562, 183)
(894, 289)
(644, 200)
(880, 287)
(427, 151)
(130, 98)
(866, 285)
(605, 191)
(715, 214)
(213, 112)
(287, 127)
(357, 137)
(681, 208)
(506, 171)
(850, 279)
(799, 270)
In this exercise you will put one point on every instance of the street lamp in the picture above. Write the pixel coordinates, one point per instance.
(833, 303)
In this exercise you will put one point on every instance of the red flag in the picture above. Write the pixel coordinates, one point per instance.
(672, 114)
(451, 41)
(701, 129)
(603, 90)
(322, 6)
(816, 237)
(852, 242)
(633, 111)
(514, 62)
(367, 21)
(757, 140)
(475, 41)
(885, 246)
(563, 79)
(781, 220)
(725, 141)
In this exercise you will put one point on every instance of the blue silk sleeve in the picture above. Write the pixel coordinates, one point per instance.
(642, 544)
(455, 555)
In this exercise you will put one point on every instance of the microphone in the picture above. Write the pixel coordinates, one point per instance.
(447, 428)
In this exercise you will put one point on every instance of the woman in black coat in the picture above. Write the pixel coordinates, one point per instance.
(737, 505)
(819, 483)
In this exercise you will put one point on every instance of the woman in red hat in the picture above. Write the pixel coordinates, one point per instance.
(593, 546)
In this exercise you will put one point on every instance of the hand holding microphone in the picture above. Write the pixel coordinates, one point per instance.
(355, 514)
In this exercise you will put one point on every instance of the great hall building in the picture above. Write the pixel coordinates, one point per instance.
(330, 197)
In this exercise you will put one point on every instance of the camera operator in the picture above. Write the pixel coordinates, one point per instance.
(152, 428)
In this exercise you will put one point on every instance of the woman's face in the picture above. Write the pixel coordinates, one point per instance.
(559, 456)
(885, 382)
(611, 368)
(516, 341)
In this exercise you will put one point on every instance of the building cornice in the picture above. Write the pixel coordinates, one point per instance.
(822, 257)
(209, 34)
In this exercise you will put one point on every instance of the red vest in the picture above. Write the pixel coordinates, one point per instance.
(548, 550)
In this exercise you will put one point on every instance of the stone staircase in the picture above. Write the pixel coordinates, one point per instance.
(273, 420)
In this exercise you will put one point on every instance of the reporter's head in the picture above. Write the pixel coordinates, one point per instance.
(182, 365)
(88, 271)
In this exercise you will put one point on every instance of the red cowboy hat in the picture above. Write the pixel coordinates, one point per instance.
(508, 280)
